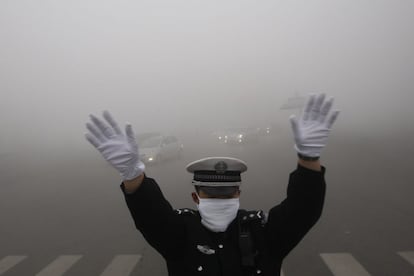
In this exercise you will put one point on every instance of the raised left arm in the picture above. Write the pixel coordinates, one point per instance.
(289, 221)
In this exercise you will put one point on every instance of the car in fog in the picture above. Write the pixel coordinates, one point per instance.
(147, 135)
(155, 148)
(265, 131)
(237, 135)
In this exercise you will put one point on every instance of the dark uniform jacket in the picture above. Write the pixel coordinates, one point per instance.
(190, 249)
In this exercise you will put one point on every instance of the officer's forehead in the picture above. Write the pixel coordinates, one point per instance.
(218, 191)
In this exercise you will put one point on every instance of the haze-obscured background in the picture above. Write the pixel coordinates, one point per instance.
(181, 64)
(188, 68)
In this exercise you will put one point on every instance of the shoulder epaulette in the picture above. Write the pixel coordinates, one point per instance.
(185, 211)
(257, 215)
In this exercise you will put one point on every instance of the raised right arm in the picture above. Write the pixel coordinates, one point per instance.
(152, 213)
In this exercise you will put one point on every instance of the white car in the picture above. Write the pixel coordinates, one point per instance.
(156, 149)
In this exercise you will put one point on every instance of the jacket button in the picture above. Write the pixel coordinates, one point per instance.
(200, 268)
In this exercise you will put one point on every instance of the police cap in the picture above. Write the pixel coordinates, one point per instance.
(217, 176)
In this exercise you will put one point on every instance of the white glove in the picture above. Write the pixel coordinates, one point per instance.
(312, 129)
(121, 151)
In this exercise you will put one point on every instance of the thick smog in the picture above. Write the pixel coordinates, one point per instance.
(195, 80)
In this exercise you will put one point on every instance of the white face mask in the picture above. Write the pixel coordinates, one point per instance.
(216, 213)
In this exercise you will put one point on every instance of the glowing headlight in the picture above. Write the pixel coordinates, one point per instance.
(219, 137)
(225, 137)
(240, 140)
(151, 159)
(240, 136)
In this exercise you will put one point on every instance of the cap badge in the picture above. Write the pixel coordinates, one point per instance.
(220, 167)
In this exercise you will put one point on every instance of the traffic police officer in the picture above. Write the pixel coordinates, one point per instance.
(219, 238)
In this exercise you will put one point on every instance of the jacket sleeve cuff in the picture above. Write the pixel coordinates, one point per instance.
(309, 172)
(122, 186)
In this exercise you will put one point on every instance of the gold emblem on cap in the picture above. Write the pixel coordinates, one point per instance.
(220, 167)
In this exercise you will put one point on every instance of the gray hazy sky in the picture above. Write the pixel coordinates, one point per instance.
(181, 63)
